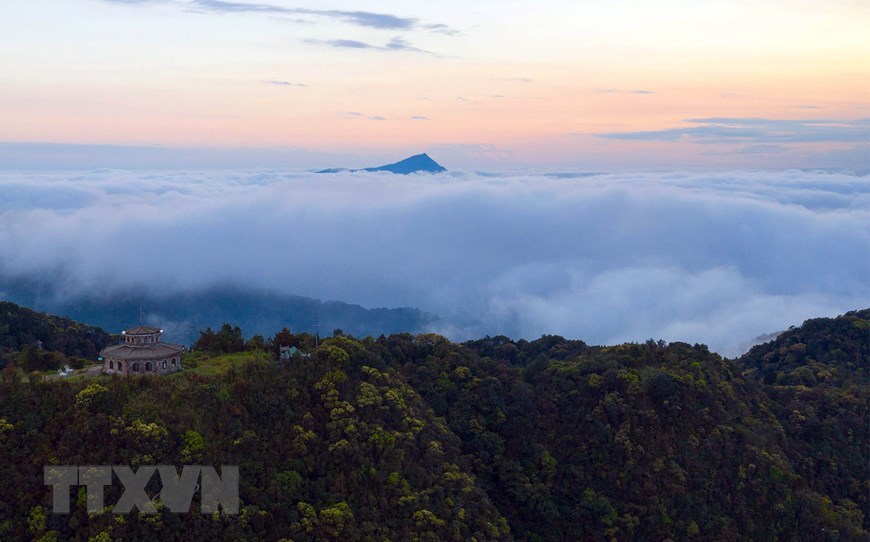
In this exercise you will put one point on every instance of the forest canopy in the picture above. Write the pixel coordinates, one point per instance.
(414, 437)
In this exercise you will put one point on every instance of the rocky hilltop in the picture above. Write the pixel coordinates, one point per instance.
(419, 163)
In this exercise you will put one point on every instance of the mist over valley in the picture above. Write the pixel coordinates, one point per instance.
(716, 258)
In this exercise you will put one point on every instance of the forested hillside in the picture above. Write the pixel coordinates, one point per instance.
(818, 377)
(40, 341)
(327, 450)
(417, 438)
(183, 314)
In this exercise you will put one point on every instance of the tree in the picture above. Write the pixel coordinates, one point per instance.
(230, 339)
(284, 338)
(29, 359)
(257, 342)
(227, 340)
(206, 342)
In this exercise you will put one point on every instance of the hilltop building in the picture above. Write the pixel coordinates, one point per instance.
(289, 352)
(142, 353)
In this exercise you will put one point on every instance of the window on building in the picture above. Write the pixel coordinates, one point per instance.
(164, 363)
(111, 364)
(120, 366)
(148, 367)
(173, 362)
(135, 366)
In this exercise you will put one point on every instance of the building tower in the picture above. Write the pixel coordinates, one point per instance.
(142, 353)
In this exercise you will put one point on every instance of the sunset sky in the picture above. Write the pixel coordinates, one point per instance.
(617, 170)
(617, 84)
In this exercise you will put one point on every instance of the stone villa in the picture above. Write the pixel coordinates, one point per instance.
(142, 353)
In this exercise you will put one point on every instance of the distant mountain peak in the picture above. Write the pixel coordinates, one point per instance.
(414, 164)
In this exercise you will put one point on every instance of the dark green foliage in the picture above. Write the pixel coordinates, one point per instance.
(328, 448)
(818, 376)
(257, 342)
(650, 442)
(416, 438)
(829, 352)
(228, 340)
(38, 341)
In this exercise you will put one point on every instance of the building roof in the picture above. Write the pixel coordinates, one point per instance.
(150, 351)
(142, 330)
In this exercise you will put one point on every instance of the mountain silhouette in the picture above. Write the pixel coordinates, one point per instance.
(415, 164)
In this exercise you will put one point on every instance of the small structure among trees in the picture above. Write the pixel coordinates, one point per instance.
(289, 352)
(142, 353)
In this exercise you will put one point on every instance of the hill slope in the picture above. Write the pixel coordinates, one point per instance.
(414, 164)
(414, 437)
(419, 163)
(325, 450)
(42, 341)
(636, 442)
(818, 376)
(256, 311)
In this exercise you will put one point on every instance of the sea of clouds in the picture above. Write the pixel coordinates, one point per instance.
(717, 258)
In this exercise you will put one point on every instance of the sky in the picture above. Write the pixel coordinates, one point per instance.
(711, 257)
(618, 170)
(616, 85)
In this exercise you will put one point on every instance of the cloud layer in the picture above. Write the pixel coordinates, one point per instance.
(381, 21)
(719, 130)
(714, 258)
